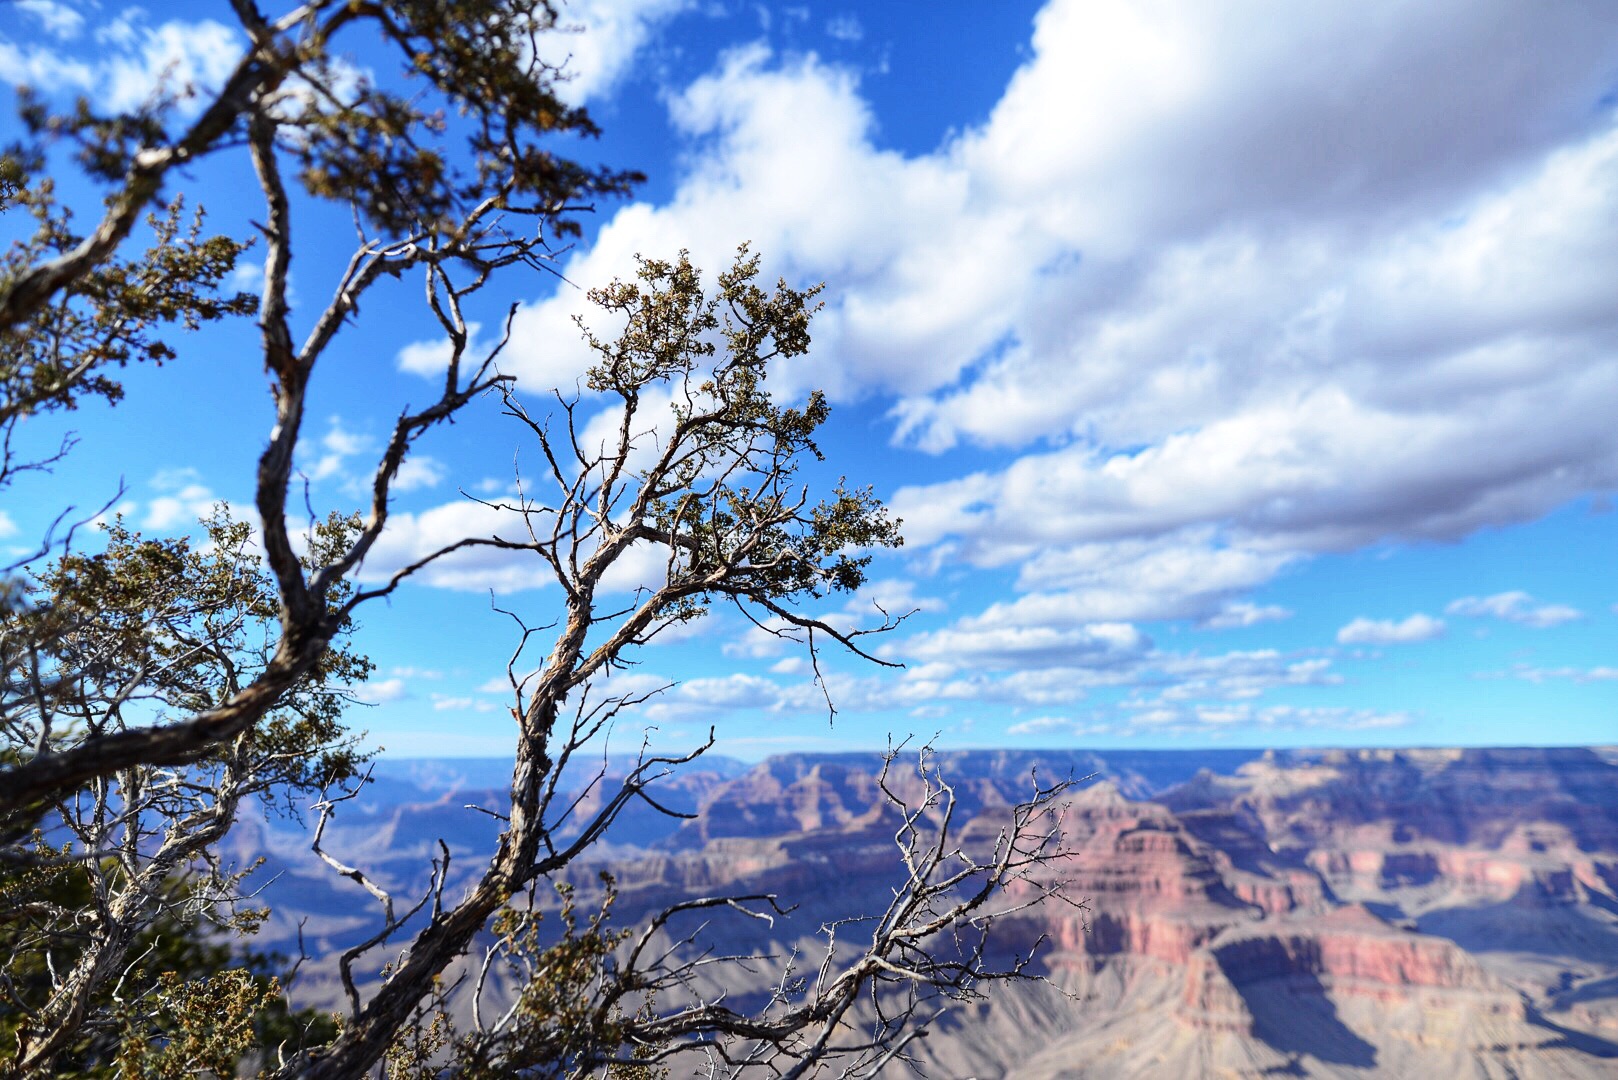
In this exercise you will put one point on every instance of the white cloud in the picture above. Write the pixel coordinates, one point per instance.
(58, 20)
(431, 358)
(408, 672)
(1516, 606)
(1238, 675)
(1209, 718)
(738, 691)
(184, 58)
(8, 527)
(1043, 649)
(1186, 575)
(184, 499)
(1530, 673)
(612, 34)
(931, 686)
(1235, 306)
(42, 68)
(410, 537)
(500, 684)
(889, 598)
(329, 458)
(1417, 627)
(1032, 631)
(760, 641)
(1242, 614)
(336, 447)
(1064, 726)
(419, 471)
(451, 703)
(844, 28)
(383, 691)
(123, 31)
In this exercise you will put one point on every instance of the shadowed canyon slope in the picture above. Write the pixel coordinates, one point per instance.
(1319, 913)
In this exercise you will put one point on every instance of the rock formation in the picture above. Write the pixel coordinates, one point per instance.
(1337, 913)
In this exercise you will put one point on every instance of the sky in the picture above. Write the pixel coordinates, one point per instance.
(1244, 374)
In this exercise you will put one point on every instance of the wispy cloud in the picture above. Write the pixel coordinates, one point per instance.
(1533, 674)
(1517, 607)
(1417, 627)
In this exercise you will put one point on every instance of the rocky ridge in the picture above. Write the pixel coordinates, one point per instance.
(1338, 913)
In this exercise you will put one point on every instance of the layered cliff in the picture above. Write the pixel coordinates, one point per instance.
(1341, 913)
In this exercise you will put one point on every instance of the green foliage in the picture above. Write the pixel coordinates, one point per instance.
(187, 1001)
(208, 1025)
(382, 150)
(459, 123)
(113, 315)
(148, 629)
(153, 686)
(561, 1024)
(747, 531)
(132, 635)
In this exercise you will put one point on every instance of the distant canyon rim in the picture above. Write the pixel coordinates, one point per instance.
(1333, 913)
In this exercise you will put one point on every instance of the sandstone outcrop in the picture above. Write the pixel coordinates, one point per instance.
(1337, 913)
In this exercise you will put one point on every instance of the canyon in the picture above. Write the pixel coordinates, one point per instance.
(1336, 913)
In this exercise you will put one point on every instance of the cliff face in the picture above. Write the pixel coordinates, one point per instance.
(1343, 913)
(1331, 913)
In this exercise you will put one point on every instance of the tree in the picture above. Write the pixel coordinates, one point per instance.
(136, 634)
(153, 687)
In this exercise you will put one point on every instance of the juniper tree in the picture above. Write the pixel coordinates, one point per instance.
(153, 687)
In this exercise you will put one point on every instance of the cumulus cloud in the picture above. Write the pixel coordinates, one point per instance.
(431, 358)
(58, 20)
(453, 703)
(419, 471)
(383, 691)
(1517, 607)
(1037, 630)
(408, 672)
(1182, 576)
(844, 28)
(1417, 627)
(1232, 306)
(43, 68)
(183, 499)
(182, 58)
(738, 691)
(599, 42)
(335, 448)
(410, 537)
(1239, 675)
(610, 34)
(889, 598)
(1066, 727)
(133, 60)
(1207, 718)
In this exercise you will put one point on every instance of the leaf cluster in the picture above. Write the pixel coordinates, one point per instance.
(117, 314)
(147, 629)
(187, 1001)
(380, 150)
(464, 118)
(561, 1024)
(725, 492)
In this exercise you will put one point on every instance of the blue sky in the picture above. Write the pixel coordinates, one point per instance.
(1244, 374)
